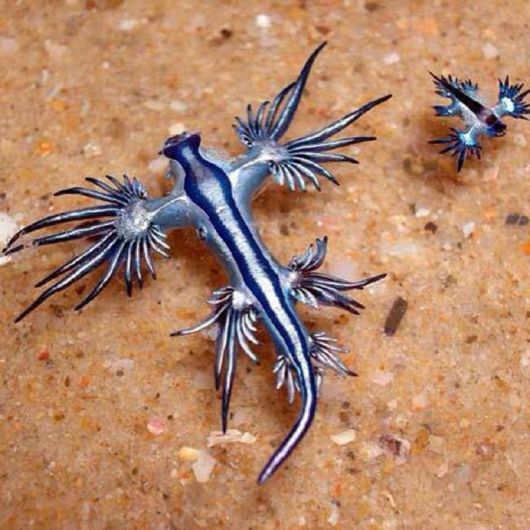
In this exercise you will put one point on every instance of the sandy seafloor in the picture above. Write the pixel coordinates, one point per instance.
(96, 407)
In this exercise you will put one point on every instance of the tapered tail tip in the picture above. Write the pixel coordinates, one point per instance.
(263, 476)
(22, 315)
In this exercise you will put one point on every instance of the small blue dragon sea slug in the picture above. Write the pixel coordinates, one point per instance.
(214, 196)
(479, 119)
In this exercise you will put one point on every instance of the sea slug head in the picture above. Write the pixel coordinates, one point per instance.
(175, 146)
(496, 127)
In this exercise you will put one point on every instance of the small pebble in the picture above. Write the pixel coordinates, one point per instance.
(398, 447)
(44, 355)
(395, 316)
(517, 219)
(431, 227)
(44, 148)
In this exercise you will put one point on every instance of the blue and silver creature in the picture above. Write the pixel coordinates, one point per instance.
(478, 118)
(213, 196)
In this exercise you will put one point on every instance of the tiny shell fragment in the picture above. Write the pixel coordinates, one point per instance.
(156, 426)
(188, 454)
(391, 58)
(333, 518)
(524, 361)
(231, 436)
(263, 21)
(442, 470)
(383, 378)
(490, 51)
(344, 437)
(422, 212)
(8, 227)
(203, 466)
(468, 229)
(92, 149)
(177, 128)
(370, 451)
(128, 24)
(420, 402)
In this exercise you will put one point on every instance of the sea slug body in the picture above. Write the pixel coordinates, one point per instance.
(213, 196)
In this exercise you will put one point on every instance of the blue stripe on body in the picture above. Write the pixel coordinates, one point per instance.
(232, 216)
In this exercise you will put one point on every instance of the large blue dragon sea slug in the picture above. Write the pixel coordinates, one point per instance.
(479, 119)
(213, 196)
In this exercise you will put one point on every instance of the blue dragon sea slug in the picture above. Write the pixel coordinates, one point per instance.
(214, 196)
(479, 119)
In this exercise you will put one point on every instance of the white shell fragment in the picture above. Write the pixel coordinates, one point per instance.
(231, 436)
(8, 228)
(344, 437)
(203, 466)
(188, 454)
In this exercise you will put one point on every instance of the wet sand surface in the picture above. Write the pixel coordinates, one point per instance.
(106, 421)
